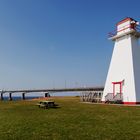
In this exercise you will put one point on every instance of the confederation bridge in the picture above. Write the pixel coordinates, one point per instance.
(86, 93)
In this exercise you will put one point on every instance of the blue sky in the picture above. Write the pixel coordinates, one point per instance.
(58, 43)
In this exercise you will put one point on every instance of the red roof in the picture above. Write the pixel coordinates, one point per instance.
(126, 19)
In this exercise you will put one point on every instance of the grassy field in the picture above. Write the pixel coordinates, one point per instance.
(22, 120)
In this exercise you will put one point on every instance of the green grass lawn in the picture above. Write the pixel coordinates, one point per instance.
(22, 120)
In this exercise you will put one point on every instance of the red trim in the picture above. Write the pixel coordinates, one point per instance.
(131, 103)
(120, 89)
(125, 28)
(124, 20)
(113, 90)
(120, 83)
(127, 103)
(131, 26)
(116, 82)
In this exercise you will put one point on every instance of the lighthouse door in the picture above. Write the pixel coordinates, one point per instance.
(117, 88)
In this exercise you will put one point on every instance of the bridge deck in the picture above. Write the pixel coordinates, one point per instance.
(55, 90)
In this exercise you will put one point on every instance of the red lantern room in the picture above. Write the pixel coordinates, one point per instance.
(126, 25)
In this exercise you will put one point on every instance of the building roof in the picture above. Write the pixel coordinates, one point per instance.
(126, 19)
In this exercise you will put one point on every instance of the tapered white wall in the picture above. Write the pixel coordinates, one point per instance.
(136, 66)
(125, 65)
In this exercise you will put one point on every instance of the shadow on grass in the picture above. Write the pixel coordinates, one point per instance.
(54, 107)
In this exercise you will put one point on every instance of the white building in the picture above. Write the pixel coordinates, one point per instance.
(123, 79)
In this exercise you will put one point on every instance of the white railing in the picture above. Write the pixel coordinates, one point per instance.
(118, 97)
(109, 97)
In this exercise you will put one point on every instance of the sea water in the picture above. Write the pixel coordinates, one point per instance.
(27, 97)
(15, 98)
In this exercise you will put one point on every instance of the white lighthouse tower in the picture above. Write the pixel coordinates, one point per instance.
(123, 79)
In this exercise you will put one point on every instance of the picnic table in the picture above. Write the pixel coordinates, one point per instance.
(46, 104)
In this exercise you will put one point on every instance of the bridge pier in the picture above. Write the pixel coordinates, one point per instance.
(10, 97)
(23, 96)
(47, 94)
(1, 97)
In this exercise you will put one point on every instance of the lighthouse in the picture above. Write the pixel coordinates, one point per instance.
(123, 79)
